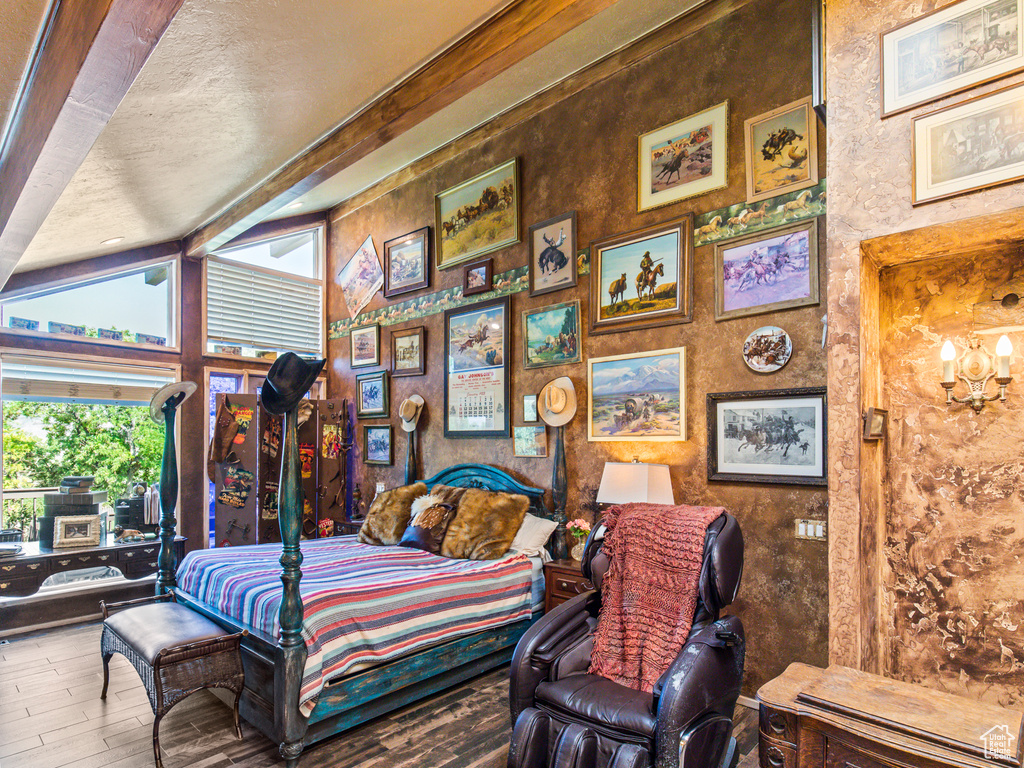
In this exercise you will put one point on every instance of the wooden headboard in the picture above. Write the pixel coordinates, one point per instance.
(490, 479)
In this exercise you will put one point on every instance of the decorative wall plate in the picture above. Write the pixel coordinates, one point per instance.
(767, 349)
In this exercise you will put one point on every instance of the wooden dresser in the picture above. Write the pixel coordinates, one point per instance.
(563, 580)
(841, 718)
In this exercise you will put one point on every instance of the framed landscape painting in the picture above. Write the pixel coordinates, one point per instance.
(776, 436)
(478, 277)
(552, 259)
(407, 263)
(686, 158)
(530, 442)
(364, 346)
(477, 216)
(781, 150)
(642, 279)
(378, 446)
(476, 373)
(372, 394)
(949, 50)
(637, 397)
(408, 356)
(551, 335)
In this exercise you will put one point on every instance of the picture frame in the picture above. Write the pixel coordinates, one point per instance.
(781, 150)
(551, 335)
(745, 430)
(361, 277)
(478, 277)
(530, 409)
(969, 146)
(552, 254)
(364, 346)
(875, 422)
(378, 444)
(637, 397)
(408, 352)
(407, 263)
(372, 395)
(788, 255)
(530, 442)
(477, 348)
(465, 213)
(694, 149)
(619, 259)
(949, 50)
(76, 531)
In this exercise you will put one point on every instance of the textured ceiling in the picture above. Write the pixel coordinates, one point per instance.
(20, 21)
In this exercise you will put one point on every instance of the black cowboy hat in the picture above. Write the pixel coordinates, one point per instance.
(288, 381)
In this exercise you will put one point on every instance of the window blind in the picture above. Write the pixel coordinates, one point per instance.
(262, 310)
(37, 379)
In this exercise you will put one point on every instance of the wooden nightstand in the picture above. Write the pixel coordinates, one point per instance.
(562, 581)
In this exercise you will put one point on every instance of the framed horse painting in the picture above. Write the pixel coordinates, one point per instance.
(642, 279)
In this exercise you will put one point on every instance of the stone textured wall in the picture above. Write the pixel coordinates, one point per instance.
(581, 154)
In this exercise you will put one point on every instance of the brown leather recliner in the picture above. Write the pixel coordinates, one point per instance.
(566, 718)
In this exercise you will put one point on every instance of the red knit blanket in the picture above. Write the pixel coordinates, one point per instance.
(649, 593)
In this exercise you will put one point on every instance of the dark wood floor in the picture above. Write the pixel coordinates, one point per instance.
(51, 716)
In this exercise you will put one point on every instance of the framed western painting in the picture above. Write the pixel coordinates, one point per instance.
(378, 447)
(530, 442)
(686, 158)
(949, 50)
(408, 357)
(969, 146)
(776, 436)
(637, 397)
(766, 272)
(552, 254)
(372, 394)
(551, 335)
(361, 277)
(477, 216)
(476, 373)
(364, 346)
(642, 279)
(478, 277)
(407, 263)
(530, 408)
(781, 150)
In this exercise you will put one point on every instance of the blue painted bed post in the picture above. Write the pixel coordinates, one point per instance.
(168, 499)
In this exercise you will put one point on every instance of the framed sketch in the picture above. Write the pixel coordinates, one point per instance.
(642, 279)
(529, 408)
(372, 394)
(874, 423)
(477, 216)
(552, 249)
(686, 158)
(767, 349)
(772, 270)
(949, 50)
(774, 436)
(407, 352)
(76, 531)
(364, 346)
(637, 397)
(530, 442)
(969, 146)
(361, 277)
(407, 263)
(781, 150)
(378, 446)
(551, 335)
(476, 372)
(478, 277)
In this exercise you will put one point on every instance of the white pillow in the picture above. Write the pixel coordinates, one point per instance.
(533, 535)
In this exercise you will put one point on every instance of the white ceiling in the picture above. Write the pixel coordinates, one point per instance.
(237, 88)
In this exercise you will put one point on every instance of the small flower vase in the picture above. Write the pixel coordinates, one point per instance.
(577, 551)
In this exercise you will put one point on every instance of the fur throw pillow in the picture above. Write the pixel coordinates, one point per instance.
(447, 494)
(389, 515)
(429, 522)
(485, 524)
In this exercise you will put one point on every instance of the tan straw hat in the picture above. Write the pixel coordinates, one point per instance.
(556, 403)
(409, 410)
(165, 393)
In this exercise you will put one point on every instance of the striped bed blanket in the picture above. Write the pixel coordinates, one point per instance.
(363, 605)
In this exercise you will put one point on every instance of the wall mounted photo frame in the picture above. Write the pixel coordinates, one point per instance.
(551, 335)
(686, 158)
(477, 342)
(552, 260)
(478, 216)
(781, 150)
(478, 277)
(642, 279)
(372, 395)
(361, 277)
(76, 531)
(875, 421)
(773, 436)
(408, 352)
(530, 408)
(949, 50)
(768, 271)
(364, 346)
(530, 442)
(637, 397)
(378, 444)
(407, 263)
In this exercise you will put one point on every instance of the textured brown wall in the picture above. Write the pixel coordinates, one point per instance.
(581, 154)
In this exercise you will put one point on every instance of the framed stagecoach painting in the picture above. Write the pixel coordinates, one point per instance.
(775, 436)
(642, 279)
(476, 373)
(637, 397)
(478, 216)
(781, 149)
(552, 254)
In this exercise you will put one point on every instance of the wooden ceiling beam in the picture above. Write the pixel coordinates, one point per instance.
(506, 39)
(88, 55)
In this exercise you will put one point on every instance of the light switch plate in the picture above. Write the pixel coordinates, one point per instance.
(815, 530)
(380, 487)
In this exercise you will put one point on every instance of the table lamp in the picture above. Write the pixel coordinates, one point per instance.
(623, 482)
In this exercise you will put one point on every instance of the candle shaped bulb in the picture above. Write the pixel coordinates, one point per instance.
(1003, 351)
(947, 354)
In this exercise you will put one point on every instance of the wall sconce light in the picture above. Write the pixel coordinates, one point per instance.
(975, 367)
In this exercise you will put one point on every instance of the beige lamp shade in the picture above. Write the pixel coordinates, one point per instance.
(623, 482)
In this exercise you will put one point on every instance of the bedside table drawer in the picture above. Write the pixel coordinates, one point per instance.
(569, 585)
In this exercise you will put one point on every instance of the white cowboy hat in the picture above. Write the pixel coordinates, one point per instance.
(165, 393)
(409, 410)
(556, 403)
